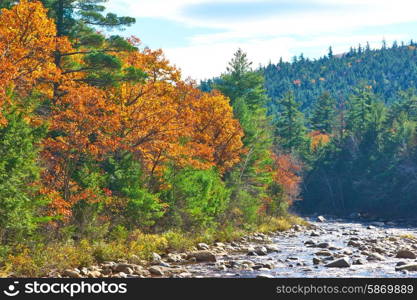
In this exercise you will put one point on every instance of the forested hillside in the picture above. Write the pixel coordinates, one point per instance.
(351, 120)
(387, 70)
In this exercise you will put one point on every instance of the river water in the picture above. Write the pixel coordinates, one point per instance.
(295, 258)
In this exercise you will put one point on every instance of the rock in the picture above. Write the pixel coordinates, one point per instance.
(323, 245)
(183, 275)
(400, 263)
(309, 243)
(220, 245)
(94, 274)
(268, 266)
(155, 270)
(314, 233)
(297, 228)
(340, 263)
(156, 258)
(264, 276)
(375, 256)
(316, 261)
(321, 219)
(354, 244)
(263, 270)
(358, 262)
(261, 251)
(203, 256)
(134, 259)
(123, 267)
(347, 252)
(379, 250)
(71, 273)
(106, 272)
(405, 253)
(202, 246)
(323, 253)
(173, 257)
(371, 227)
(248, 262)
(142, 273)
(252, 253)
(84, 271)
(407, 267)
(272, 248)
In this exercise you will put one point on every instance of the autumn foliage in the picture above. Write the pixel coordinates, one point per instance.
(287, 174)
(318, 139)
(112, 148)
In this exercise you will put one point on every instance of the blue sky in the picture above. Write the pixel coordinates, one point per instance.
(200, 36)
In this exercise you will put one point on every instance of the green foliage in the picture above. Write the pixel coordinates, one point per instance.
(196, 198)
(124, 178)
(323, 113)
(250, 180)
(19, 172)
(386, 70)
(290, 128)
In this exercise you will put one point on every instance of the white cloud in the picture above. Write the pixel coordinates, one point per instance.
(268, 38)
(203, 61)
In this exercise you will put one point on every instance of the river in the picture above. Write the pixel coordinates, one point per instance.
(370, 248)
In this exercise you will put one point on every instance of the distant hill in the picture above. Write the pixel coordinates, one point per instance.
(387, 70)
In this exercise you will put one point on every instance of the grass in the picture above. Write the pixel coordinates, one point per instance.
(38, 260)
(408, 236)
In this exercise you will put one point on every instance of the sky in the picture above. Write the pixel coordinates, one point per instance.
(200, 36)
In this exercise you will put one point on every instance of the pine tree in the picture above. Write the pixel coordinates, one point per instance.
(290, 128)
(250, 178)
(323, 113)
(19, 172)
(78, 20)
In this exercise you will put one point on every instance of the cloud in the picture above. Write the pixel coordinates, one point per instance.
(201, 61)
(268, 29)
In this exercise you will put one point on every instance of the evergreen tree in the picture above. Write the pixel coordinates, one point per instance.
(78, 20)
(19, 172)
(250, 178)
(290, 128)
(323, 114)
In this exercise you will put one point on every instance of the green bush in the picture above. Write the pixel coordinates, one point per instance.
(197, 198)
(19, 171)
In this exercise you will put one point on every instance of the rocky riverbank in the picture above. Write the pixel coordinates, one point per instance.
(326, 248)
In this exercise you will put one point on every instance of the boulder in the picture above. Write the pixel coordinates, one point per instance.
(340, 263)
(203, 256)
(156, 258)
(323, 253)
(202, 246)
(407, 267)
(264, 276)
(321, 219)
(405, 253)
(261, 251)
(375, 256)
(272, 248)
(123, 267)
(323, 245)
(358, 262)
(94, 274)
(155, 270)
(71, 273)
